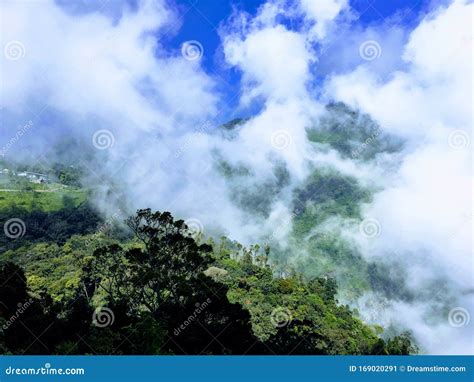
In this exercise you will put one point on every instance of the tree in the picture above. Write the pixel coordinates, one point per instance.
(170, 294)
(165, 277)
(25, 318)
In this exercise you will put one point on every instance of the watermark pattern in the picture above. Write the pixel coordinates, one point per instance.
(21, 131)
(458, 317)
(103, 139)
(192, 50)
(22, 307)
(459, 139)
(103, 228)
(14, 50)
(45, 370)
(192, 139)
(14, 228)
(359, 150)
(103, 317)
(281, 139)
(199, 309)
(195, 227)
(370, 228)
(281, 317)
(370, 50)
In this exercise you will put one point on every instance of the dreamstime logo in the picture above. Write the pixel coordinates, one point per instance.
(370, 50)
(14, 228)
(458, 317)
(14, 50)
(195, 227)
(103, 139)
(370, 228)
(192, 50)
(281, 139)
(103, 317)
(22, 130)
(281, 317)
(199, 309)
(367, 142)
(103, 228)
(22, 307)
(192, 139)
(459, 139)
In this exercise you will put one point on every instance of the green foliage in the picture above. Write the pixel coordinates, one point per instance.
(327, 197)
(68, 175)
(331, 256)
(53, 269)
(165, 279)
(40, 197)
(53, 226)
(351, 133)
(326, 194)
(389, 280)
(254, 195)
(309, 308)
(401, 345)
(23, 316)
(172, 295)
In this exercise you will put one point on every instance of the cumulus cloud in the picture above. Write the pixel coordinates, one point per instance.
(274, 62)
(434, 71)
(320, 14)
(90, 65)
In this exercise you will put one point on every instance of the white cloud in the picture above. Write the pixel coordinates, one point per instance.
(90, 65)
(425, 210)
(321, 14)
(419, 95)
(274, 62)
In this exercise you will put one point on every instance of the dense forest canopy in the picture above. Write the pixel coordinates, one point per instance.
(85, 286)
(150, 284)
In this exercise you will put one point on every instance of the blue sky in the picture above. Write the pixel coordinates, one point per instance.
(200, 20)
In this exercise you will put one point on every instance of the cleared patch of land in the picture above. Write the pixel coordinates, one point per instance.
(51, 197)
